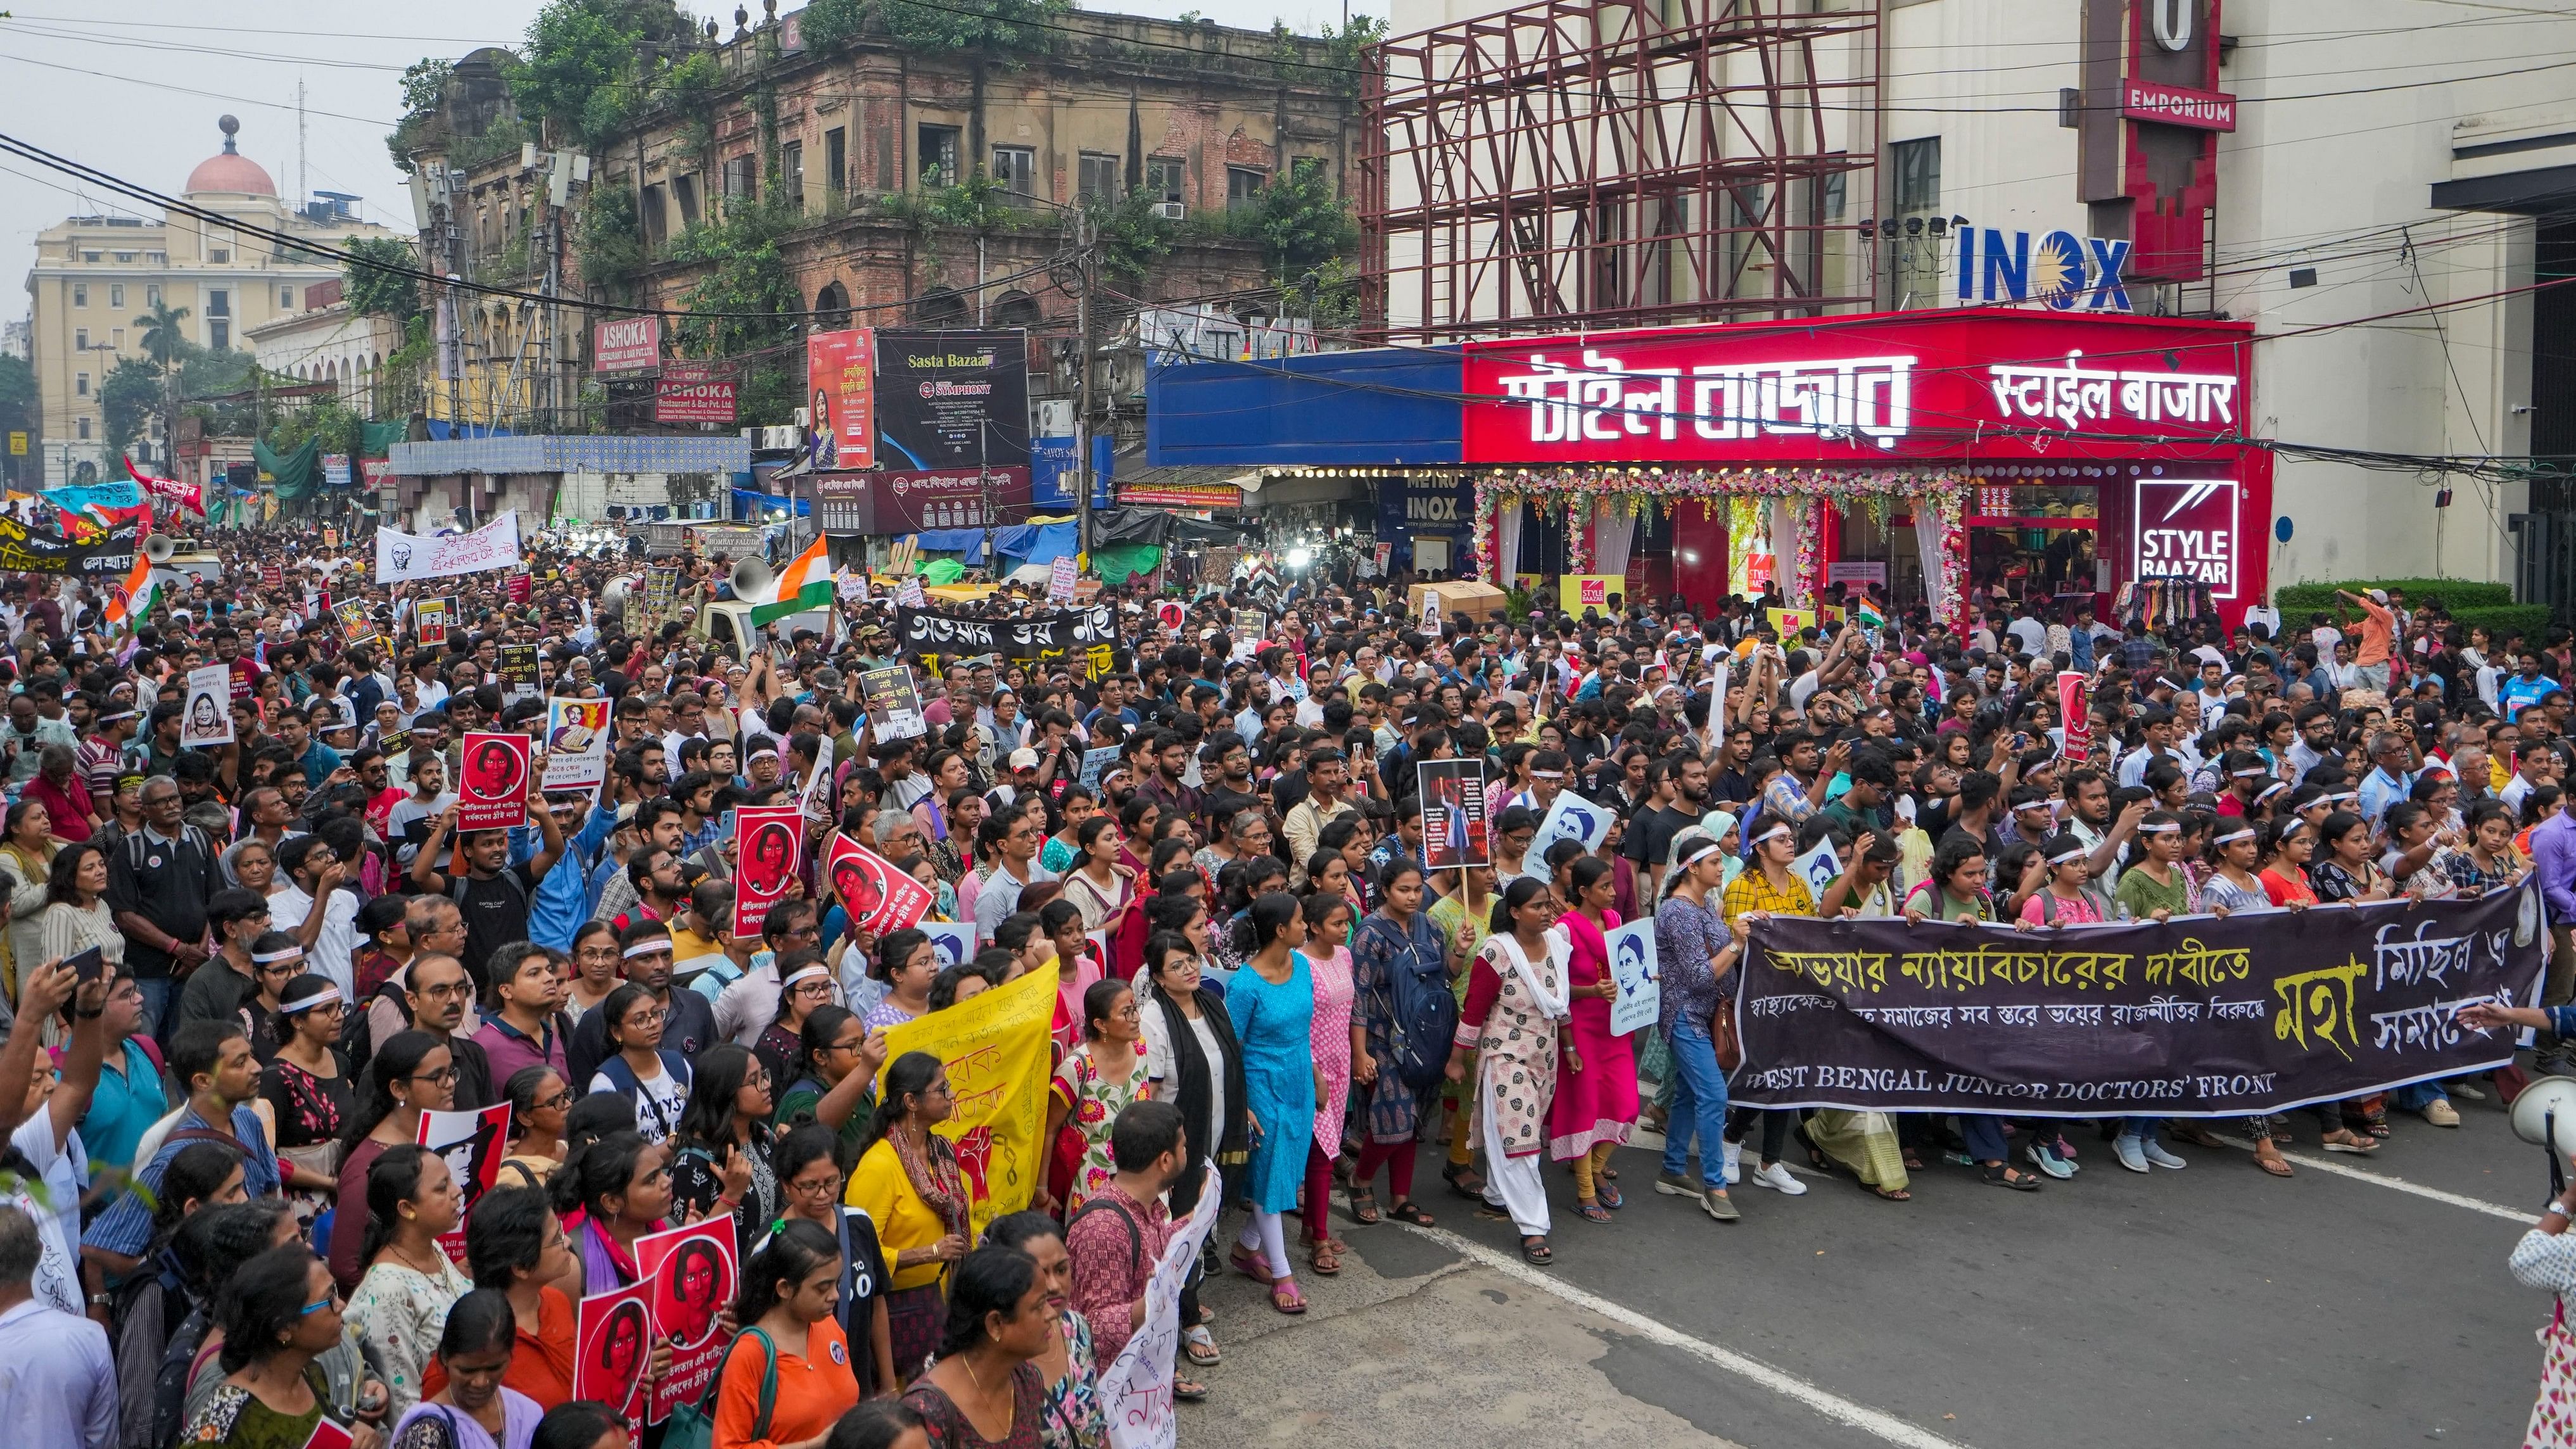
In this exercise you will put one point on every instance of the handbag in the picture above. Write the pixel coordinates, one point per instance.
(1722, 1037)
(693, 1426)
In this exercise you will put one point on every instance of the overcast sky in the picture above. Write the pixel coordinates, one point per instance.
(134, 87)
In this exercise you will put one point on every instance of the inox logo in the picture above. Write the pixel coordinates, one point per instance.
(1431, 508)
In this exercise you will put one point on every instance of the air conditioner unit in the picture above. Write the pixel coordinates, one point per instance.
(780, 439)
(1171, 210)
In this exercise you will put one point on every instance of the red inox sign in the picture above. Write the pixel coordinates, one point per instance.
(1863, 390)
(2143, 100)
(627, 344)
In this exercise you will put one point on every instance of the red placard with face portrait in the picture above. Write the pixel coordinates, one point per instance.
(613, 1346)
(878, 896)
(492, 782)
(691, 1276)
(767, 850)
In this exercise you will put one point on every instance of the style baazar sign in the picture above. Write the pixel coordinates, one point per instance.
(1866, 391)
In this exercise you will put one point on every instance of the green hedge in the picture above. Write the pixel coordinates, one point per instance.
(2459, 596)
(2531, 621)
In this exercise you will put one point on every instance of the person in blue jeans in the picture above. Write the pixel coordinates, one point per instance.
(1694, 952)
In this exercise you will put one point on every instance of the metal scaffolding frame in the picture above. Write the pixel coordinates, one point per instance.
(1617, 163)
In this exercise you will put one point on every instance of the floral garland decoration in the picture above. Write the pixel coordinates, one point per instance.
(1953, 514)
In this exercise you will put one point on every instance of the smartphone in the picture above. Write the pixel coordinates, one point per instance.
(87, 966)
(724, 826)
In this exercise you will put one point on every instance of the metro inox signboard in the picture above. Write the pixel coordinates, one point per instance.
(1866, 390)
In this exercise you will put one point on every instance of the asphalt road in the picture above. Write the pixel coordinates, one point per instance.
(2212, 1306)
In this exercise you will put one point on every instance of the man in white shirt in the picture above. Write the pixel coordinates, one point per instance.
(57, 1378)
(315, 870)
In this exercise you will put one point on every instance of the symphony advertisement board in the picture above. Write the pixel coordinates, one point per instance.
(1868, 391)
(949, 400)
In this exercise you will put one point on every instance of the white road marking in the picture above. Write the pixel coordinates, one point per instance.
(1873, 1422)
(2399, 1184)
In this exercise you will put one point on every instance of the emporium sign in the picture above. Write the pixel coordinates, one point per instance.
(1867, 391)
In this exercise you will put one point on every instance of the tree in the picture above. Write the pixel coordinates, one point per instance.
(1301, 223)
(581, 75)
(163, 336)
(130, 395)
(377, 280)
(18, 411)
(999, 26)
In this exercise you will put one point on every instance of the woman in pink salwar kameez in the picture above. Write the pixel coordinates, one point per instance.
(1596, 1081)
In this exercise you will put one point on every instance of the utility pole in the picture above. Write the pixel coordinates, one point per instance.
(1082, 471)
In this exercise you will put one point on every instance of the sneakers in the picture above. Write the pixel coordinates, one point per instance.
(1674, 1184)
(2465, 1091)
(2131, 1151)
(1734, 1163)
(1717, 1205)
(1777, 1177)
(2043, 1155)
(2161, 1158)
(2441, 1113)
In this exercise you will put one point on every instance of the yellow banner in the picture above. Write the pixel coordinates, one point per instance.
(1577, 592)
(995, 1047)
(1789, 621)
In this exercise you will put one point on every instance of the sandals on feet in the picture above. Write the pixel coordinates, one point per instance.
(2273, 1163)
(1285, 1297)
(1408, 1211)
(1324, 1260)
(2356, 1143)
(2011, 1177)
(1592, 1212)
(1189, 1391)
(1201, 1347)
(1609, 1196)
(1364, 1209)
(1892, 1194)
(1250, 1265)
(1463, 1180)
(1538, 1252)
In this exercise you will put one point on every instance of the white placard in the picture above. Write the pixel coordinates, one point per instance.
(577, 734)
(1632, 964)
(954, 941)
(1818, 867)
(1571, 818)
(401, 556)
(207, 718)
(1136, 1388)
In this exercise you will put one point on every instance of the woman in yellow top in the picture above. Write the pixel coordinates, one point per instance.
(1768, 887)
(27, 849)
(909, 1182)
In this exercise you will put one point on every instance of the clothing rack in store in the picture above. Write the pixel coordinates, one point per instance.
(2163, 601)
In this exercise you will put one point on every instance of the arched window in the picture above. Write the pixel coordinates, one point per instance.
(1014, 309)
(832, 307)
(940, 305)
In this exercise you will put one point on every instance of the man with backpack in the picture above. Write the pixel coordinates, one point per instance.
(1118, 1235)
(438, 991)
(495, 895)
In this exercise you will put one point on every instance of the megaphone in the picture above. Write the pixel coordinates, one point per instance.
(753, 583)
(159, 547)
(613, 597)
(2545, 1112)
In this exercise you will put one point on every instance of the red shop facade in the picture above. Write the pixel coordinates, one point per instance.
(2046, 452)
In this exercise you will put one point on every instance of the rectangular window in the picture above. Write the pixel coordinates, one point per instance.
(84, 430)
(1243, 184)
(684, 190)
(219, 303)
(1166, 177)
(1099, 177)
(217, 255)
(286, 299)
(791, 173)
(742, 178)
(1016, 167)
(836, 161)
(80, 294)
(938, 155)
(80, 384)
(656, 225)
(116, 294)
(1917, 165)
(89, 256)
(219, 335)
(80, 339)
(152, 294)
(125, 256)
(116, 339)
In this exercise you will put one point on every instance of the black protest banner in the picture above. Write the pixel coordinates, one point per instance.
(1085, 634)
(23, 550)
(2198, 1017)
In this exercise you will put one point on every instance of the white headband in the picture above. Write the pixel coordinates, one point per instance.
(1695, 850)
(291, 953)
(2254, 774)
(803, 973)
(1779, 828)
(2233, 836)
(1547, 774)
(315, 1002)
(647, 948)
(2268, 791)
(2170, 827)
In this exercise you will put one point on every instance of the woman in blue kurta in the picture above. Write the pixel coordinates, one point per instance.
(1272, 1001)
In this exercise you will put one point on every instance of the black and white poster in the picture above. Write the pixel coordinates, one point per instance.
(1453, 814)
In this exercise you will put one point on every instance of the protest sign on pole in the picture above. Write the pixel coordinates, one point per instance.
(1136, 1388)
(1572, 817)
(995, 1049)
(492, 787)
(691, 1275)
(878, 896)
(429, 621)
(208, 719)
(1633, 966)
(356, 625)
(766, 841)
(613, 1347)
(954, 941)
(1061, 579)
(402, 556)
(519, 671)
(576, 744)
(472, 1144)
(1453, 814)
(2075, 712)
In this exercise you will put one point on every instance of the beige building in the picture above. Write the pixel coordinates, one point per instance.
(95, 277)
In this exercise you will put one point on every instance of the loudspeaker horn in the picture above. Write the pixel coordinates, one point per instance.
(613, 597)
(159, 547)
(753, 583)
(2549, 1102)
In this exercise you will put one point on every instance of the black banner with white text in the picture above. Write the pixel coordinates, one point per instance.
(2199, 1016)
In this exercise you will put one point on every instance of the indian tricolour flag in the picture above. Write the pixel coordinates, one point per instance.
(805, 584)
(133, 598)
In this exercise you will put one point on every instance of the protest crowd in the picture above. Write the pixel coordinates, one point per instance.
(482, 1011)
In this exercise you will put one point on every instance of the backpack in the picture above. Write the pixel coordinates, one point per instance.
(622, 1078)
(1422, 1016)
(693, 1426)
(357, 1036)
(1135, 1235)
